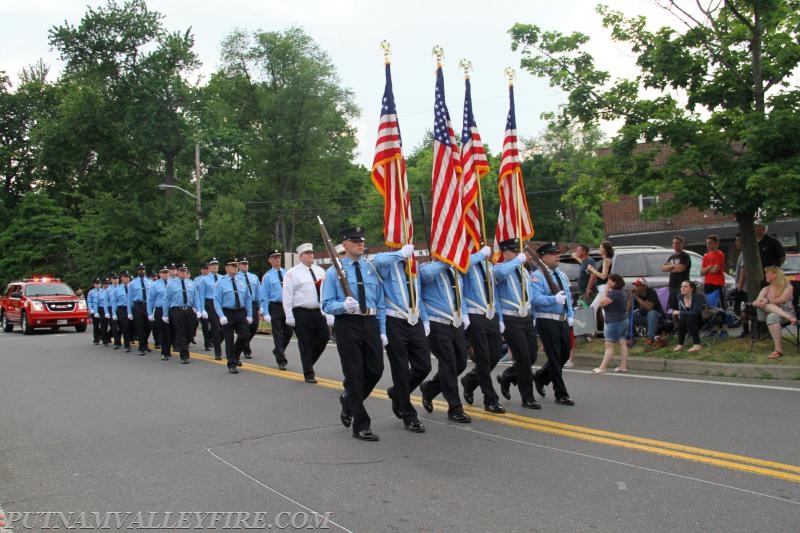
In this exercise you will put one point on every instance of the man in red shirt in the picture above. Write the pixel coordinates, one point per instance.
(713, 270)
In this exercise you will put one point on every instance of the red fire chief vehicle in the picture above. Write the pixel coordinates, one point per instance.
(42, 302)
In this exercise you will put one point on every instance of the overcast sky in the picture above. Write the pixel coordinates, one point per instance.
(350, 32)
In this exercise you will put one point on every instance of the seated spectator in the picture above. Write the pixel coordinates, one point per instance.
(648, 312)
(616, 323)
(776, 301)
(687, 313)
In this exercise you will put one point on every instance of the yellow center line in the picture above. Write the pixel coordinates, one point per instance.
(730, 461)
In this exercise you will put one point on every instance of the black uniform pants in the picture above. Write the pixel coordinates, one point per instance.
(410, 362)
(100, 327)
(521, 338)
(236, 333)
(122, 330)
(183, 322)
(449, 346)
(141, 323)
(484, 337)
(312, 337)
(206, 328)
(554, 335)
(253, 328)
(281, 333)
(214, 327)
(163, 330)
(358, 340)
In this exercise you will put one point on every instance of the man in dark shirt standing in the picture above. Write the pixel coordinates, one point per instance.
(585, 280)
(678, 265)
(769, 248)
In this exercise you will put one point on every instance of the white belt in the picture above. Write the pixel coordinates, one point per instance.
(476, 310)
(370, 311)
(396, 314)
(438, 320)
(552, 316)
(516, 314)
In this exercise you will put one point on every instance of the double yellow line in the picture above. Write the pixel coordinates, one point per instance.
(730, 461)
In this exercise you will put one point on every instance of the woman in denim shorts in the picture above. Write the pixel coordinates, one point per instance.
(615, 330)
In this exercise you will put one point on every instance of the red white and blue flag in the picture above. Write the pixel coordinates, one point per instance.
(448, 234)
(514, 219)
(475, 166)
(389, 173)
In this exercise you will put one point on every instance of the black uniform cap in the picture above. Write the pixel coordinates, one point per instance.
(548, 248)
(183, 266)
(509, 244)
(96, 280)
(274, 252)
(355, 234)
(213, 261)
(244, 261)
(141, 266)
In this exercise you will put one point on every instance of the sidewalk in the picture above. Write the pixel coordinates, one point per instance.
(697, 368)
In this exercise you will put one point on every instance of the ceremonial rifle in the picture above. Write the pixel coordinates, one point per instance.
(335, 259)
(537, 260)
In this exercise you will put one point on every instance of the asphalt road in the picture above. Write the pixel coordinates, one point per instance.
(84, 428)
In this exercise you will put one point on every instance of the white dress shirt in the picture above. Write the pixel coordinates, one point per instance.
(299, 288)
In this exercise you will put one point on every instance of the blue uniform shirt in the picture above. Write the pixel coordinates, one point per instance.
(271, 289)
(174, 295)
(206, 285)
(155, 295)
(543, 299)
(438, 294)
(97, 299)
(509, 291)
(254, 285)
(475, 285)
(333, 295)
(225, 296)
(391, 268)
(119, 297)
(137, 291)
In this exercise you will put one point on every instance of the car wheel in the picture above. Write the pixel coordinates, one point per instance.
(80, 328)
(23, 323)
(7, 327)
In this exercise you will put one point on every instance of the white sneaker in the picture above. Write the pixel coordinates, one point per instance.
(569, 364)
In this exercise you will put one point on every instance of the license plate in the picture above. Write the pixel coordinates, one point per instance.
(61, 322)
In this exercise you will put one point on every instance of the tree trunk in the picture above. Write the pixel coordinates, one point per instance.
(752, 260)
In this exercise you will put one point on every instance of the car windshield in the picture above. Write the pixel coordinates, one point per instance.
(792, 263)
(48, 289)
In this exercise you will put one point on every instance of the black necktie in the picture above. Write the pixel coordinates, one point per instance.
(280, 277)
(126, 289)
(454, 285)
(311, 271)
(485, 279)
(247, 280)
(215, 279)
(519, 277)
(183, 287)
(144, 291)
(362, 293)
(408, 286)
(236, 293)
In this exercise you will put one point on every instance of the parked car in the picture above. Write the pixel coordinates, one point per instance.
(632, 262)
(42, 303)
(792, 267)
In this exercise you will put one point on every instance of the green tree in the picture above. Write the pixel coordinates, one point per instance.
(731, 131)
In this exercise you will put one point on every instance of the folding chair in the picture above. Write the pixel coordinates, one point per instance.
(711, 316)
(793, 332)
(663, 298)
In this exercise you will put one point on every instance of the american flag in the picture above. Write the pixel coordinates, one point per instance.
(389, 172)
(448, 235)
(513, 204)
(475, 165)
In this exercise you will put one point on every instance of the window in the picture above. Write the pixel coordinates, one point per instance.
(646, 201)
(629, 265)
(655, 261)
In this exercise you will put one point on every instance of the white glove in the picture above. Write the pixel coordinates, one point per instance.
(130, 317)
(329, 320)
(465, 321)
(199, 314)
(486, 251)
(165, 319)
(570, 321)
(427, 326)
(384, 339)
(223, 321)
(249, 320)
(267, 318)
(407, 250)
(561, 298)
(114, 317)
(97, 315)
(502, 327)
(290, 321)
(521, 258)
(203, 314)
(151, 318)
(351, 305)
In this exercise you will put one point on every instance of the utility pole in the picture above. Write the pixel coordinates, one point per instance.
(197, 204)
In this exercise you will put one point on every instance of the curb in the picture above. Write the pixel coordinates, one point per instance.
(698, 368)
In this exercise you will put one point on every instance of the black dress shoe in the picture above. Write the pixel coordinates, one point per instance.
(248, 356)
(165, 358)
(141, 353)
(415, 427)
(117, 346)
(505, 388)
(565, 400)
(184, 361)
(367, 435)
(217, 358)
(345, 416)
(461, 418)
(539, 388)
(469, 397)
(390, 394)
(311, 380)
(281, 366)
(207, 348)
(127, 349)
(495, 408)
(95, 342)
(531, 404)
(427, 403)
(239, 362)
(233, 370)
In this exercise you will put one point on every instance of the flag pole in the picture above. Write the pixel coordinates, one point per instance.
(387, 60)
(511, 74)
